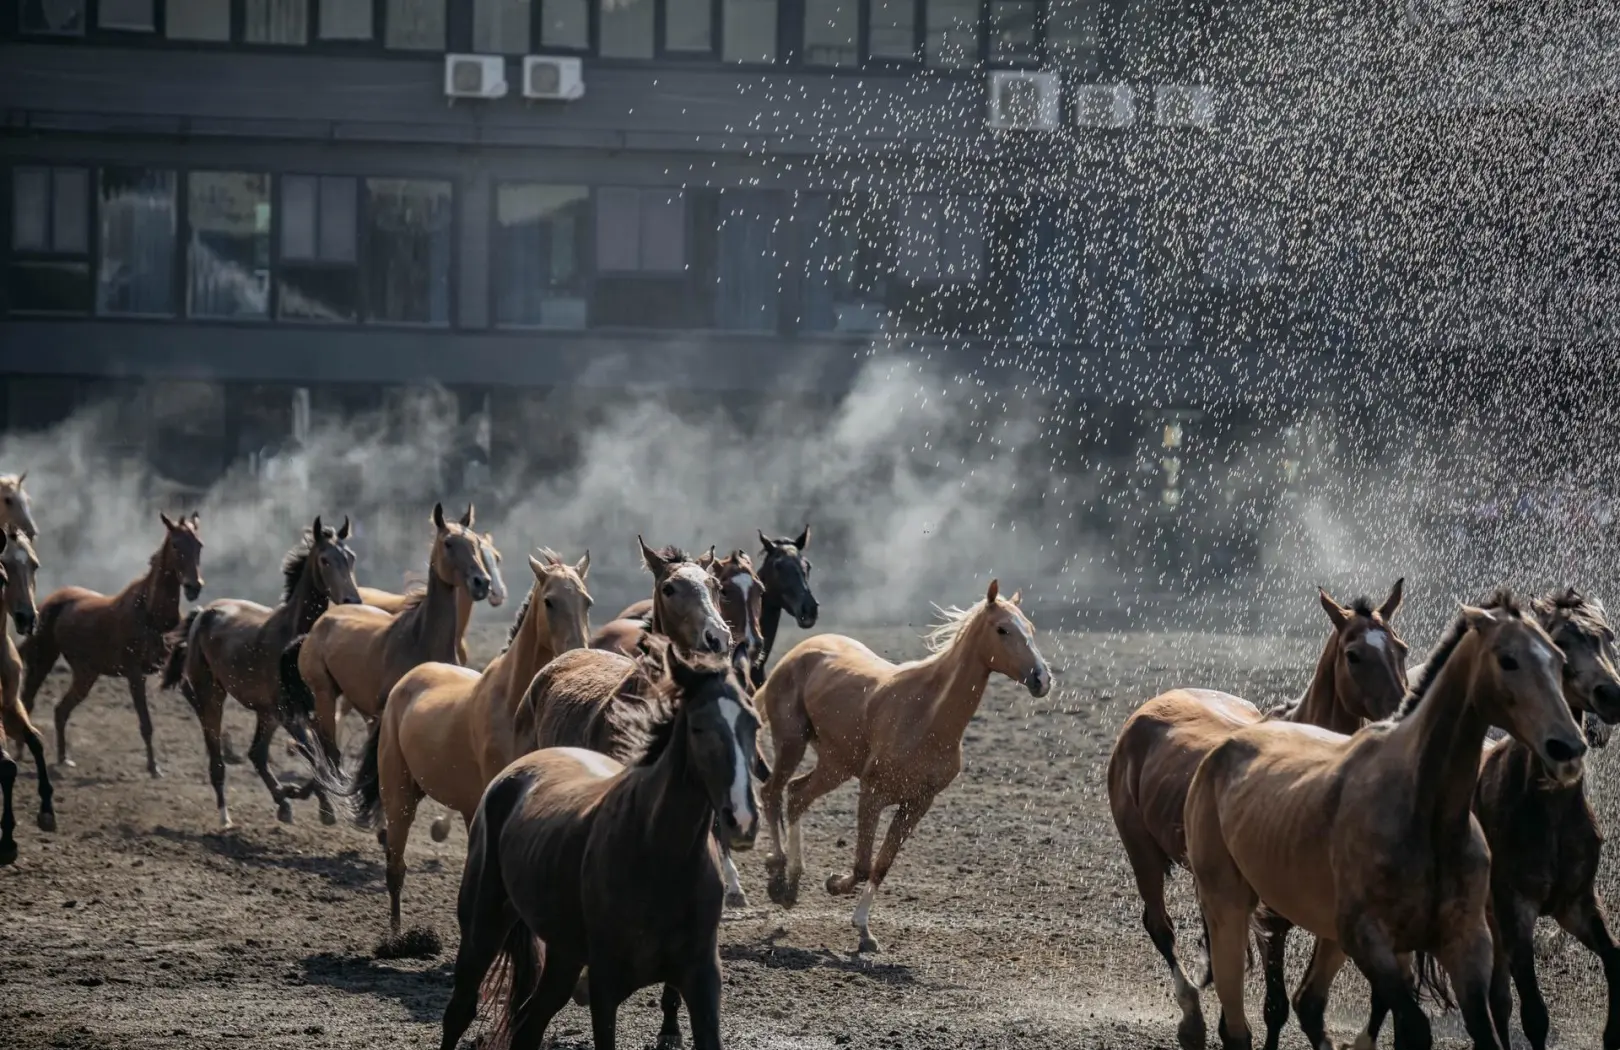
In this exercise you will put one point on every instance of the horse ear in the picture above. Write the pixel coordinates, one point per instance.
(583, 566)
(765, 543)
(468, 518)
(1336, 612)
(22, 478)
(166, 522)
(196, 520)
(1018, 596)
(804, 538)
(537, 568)
(316, 530)
(1478, 619)
(990, 595)
(343, 530)
(650, 557)
(438, 516)
(706, 559)
(1393, 602)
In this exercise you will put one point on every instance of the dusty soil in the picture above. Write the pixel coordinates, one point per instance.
(1010, 919)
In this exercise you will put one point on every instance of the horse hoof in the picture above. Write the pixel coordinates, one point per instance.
(284, 812)
(840, 885)
(668, 1041)
(869, 945)
(736, 899)
(156, 771)
(1192, 1032)
(440, 830)
(47, 821)
(328, 817)
(66, 763)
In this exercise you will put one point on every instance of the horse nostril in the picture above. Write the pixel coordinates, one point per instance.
(1565, 751)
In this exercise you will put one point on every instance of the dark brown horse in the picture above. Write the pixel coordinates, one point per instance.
(233, 647)
(125, 635)
(18, 566)
(683, 606)
(784, 572)
(613, 867)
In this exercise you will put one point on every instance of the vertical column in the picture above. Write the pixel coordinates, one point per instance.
(473, 212)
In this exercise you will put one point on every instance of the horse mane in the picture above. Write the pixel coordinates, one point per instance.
(654, 719)
(1362, 606)
(1572, 607)
(1502, 600)
(942, 635)
(517, 622)
(292, 563)
(672, 554)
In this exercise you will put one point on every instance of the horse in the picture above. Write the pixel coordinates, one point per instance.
(360, 652)
(1369, 841)
(395, 603)
(896, 727)
(18, 566)
(16, 509)
(613, 866)
(233, 647)
(124, 635)
(1360, 677)
(683, 606)
(447, 730)
(784, 572)
(740, 598)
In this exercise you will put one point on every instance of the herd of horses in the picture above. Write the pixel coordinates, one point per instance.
(606, 777)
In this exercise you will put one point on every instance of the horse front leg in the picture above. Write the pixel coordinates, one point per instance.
(900, 828)
(8, 821)
(1585, 919)
(1370, 949)
(701, 990)
(867, 811)
(137, 693)
(1274, 942)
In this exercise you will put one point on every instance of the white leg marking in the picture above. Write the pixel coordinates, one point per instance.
(733, 883)
(224, 817)
(863, 910)
(1186, 993)
(795, 851)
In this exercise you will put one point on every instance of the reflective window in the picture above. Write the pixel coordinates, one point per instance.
(565, 24)
(228, 249)
(953, 33)
(501, 27)
(49, 270)
(318, 279)
(849, 262)
(1012, 32)
(892, 29)
(408, 243)
(276, 22)
(688, 26)
(747, 267)
(345, 19)
(1073, 34)
(640, 230)
(627, 29)
(541, 237)
(415, 25)
(57, 17)
(832, 32)
(133, 15)
(749, 32)
(197, 20)
(135, 251)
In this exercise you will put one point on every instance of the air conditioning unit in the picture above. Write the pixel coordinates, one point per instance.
(474, 76)
(1184, 105)
(552, 77)
(1024, 101)
(1104, 106)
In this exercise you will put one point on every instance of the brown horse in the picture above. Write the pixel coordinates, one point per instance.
(395, 603)
(18, 566)
(16, 509)
(897, 728)
(125, 635)
(1360, 677)
(1369, 841)
(232, 647)
(446, 730)
(361, 651)
(784, 572)
(740, 598)
(613, 867)
(683, 606)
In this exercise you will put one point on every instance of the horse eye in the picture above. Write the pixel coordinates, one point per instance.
(1001, 630)
(548, 604)
(1507, 663)
(669, 590)
(1353, 657)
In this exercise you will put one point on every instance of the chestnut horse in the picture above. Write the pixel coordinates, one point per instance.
(233, 647)
(784, 572)
(740, 598)
(613, 867)
(125, 635)
(18, 566)
(1360, 677)
(16, 509)
(394, 603)
(683, 606)
(1369, 841)
(896, 727)
(447, 730)
(360, 652)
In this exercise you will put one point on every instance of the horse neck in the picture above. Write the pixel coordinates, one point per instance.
(678, 814)
(306, 603)
(432, 621)
(158, 594)
(952, 684)
(1321, 705)
(527, 653)
(1441, 741)
(770, 619)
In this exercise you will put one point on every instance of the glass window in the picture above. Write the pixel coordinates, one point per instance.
(565, 24)
(197, 20)
(663, 231)
(1044, 250)
(953, 33)
(318, 279)
(70, 210)
(541, 234)
(1012, 31)
(134, 15)
(627, 29)
(688, 26)
(1073, 32)
(228, 250)
(640, 230)
(50, 221)
(276, 22)
(849, 262)
(135, 264)
(345, 20)
(892, 29)
(941, 239)
(749, 32)
(501, 27)
(831, 31)
(747, 264)
(415, 25)
(31, 209)
(408, 240)
(61, 17)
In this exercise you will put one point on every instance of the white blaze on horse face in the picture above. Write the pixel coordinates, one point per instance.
(1377, 639)
(596, 764)
(741, 795)
(492, 568)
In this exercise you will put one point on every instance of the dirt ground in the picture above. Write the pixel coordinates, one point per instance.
(1010, 919)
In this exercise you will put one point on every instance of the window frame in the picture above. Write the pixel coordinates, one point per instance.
(586, 264)
(157, 37)
(50, 254)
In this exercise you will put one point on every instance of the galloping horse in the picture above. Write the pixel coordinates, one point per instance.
(683, 606)
(395, 603)
(123, 635)
(740, 598)
(16, 509)
(233, 647)
(1369, 841)
(18, 566)
(613, 867)
(361, 651)
(446, 730)
(1360, 677)
(896, 727)
(785, 574)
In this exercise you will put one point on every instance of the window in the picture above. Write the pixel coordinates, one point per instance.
(408, 238)
(1039, 250)
(276, 22)
(688, 26)
(953, 33)
(501, 27)
(737, 248)
(345, 20)
(197, 20)
(318, 278)
(1012, 32)
(849, 262)
(50, 239)
(1073, 34)
(135, 253)
(541, 240)
(627, 29)
(133, 15)
(228, 250)
(640, 231)
(892, 29)
(749, 32)
(942, 239)
(415, 25)
(59, 17)
(565, 24)
(831, 29)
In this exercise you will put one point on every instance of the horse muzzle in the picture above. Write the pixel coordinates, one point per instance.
(1606, 702)
(807, 614)
(24, 621)
(193, 590)
(478, 588)
(739, 835)
(1564, 759)
(1038, 681)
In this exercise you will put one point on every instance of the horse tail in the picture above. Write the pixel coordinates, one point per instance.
(1432, 983)
(515, 975)
(295, 710)
(179, 639)
(39, 652)
(361, 792)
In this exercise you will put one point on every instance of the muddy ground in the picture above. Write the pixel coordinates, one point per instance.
(1010, 919)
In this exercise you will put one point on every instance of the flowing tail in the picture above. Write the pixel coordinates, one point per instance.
(515, 975)
(360, 793)
(295, 709)
(1432, 983)
(39, 652)
(174, 666)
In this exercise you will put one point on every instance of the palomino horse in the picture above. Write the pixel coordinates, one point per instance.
(361, 651)
(683, 606)
(1369, 841)
(447, 730)
(612, 866)
(16, 509)
(1360, 677)
(18, 566)
(896, 727)
(232, 647)
(124, 635)
(394, 603)
(740, 598)
(785, 574)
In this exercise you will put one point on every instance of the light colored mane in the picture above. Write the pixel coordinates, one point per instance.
(954, 618)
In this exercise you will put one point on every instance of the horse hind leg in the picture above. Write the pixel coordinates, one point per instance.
(1311, 998)
(905, 821)
(137, 693)
(790, 748)
(669, 1034)
(1586, 921)
(1273, 937)
(1151, 865)
(8, 822)
(75, 695)
(1228, 902)
(400, 796)
(47, 792)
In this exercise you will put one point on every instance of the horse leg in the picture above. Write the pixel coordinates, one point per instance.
(1516, 925)
(1228, 902)
(790, 746)
(901, 826)
(557, 979)
(1586, 920)
(1150, 864)
(8, 822)
(259, 755)
(137, 693)
(735, 897)
(1311, 997)
(669, 1034)
(867, 811)
(77, 691)
(802, 791)
(1369, 948)
(1467, 959)
(606, 995)
(207, 699)
(701, 989)
(36, 747)
(1274, 942)
(400, 796)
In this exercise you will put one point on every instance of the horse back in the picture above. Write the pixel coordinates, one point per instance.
(387, 601)
(619, 636)
(566, 704)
